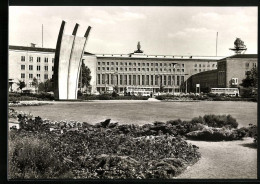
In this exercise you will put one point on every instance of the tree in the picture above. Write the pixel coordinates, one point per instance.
(21, 85)
(86, 77)
(251, 79)
(46, 86)
(35, 83)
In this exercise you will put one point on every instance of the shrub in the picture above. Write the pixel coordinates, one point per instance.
(215, 134)
(220, 121)
(31, 158)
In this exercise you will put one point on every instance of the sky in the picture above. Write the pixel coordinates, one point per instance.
(160, 30)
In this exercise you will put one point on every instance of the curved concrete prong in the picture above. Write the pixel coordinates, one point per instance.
(56, 60)
(87, 32)
(75, 29)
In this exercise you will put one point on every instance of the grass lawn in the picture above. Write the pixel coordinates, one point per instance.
(143, 112)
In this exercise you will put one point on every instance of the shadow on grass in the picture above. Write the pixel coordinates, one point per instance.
(249, 145)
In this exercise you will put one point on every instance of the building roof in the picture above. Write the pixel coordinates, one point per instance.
(156, 57)
(39, 49)
(244, 56)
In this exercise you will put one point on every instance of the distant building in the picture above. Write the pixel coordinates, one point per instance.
(229, 74)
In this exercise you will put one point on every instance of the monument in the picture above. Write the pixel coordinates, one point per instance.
(68, 59)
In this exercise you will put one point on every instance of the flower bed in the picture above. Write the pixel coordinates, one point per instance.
(100, 151)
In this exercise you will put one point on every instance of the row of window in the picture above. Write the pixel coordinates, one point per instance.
(139, 64)
(138, 69)
(107, 79)
(203, 65)
(38, 59)
(200, 70)
(31, 76)
(248, 64)
(38, 67)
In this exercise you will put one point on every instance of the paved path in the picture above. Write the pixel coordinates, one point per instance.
(224, 160)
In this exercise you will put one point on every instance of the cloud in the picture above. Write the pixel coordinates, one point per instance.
(104, 17)
(191, 32)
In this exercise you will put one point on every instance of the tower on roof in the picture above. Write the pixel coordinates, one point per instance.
(138, 48)
(239, 46)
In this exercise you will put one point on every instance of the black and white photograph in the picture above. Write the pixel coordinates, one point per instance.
(132, 92)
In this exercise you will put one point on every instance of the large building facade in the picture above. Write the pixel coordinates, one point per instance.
(229, 73)
(107, 71)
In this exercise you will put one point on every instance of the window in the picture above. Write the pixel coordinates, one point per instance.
(139, 69)
(116, 68)
(182, 65)
(151, 69)
(38, 68)
(112, 68)
(178, 70)
(203, 65)
(195, 65)
(130, 64)
(213, 65)
(199, 65)
(130, 69)
(254, 65)
(121, 63)
(103, 63)
(195, 70)
(161, 69)
(38, 59)
(121, 69)
(98, 63)
(45, 68)
(160, 64)
(107, 63)
(165, 69)
(147, 69)
(46, 60)
(52, 68)
(98, 68)
(134, 64)
(151, 64)
(30, 75)
(139, 64)
(182, 70)
(22, 58)
(30, 67)
(103, 68)
(107, 68)
(22, 75)
(112, 63)
(45, 76)
(98, 76)
(143, 64)
(143, 69)
(247, 64)
(208, 65)
(156, 69)
(38, 76)
(147, 64)
(22, 67)
(134, 69)
(165, 64)
(125, 63)
(116, 63)
(170, 70)
(52, 60)
(125, 69)
(156, 64)
(200, 70)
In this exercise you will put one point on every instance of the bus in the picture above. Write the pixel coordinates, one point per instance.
(227, 91)
(139, 91)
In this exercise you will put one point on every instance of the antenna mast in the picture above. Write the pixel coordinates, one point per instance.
(42, 35)
(217, 45)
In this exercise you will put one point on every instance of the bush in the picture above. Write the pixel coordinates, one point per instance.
(31, 158)
(215, 134)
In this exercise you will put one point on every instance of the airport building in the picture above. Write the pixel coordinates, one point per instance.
(173, 74)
